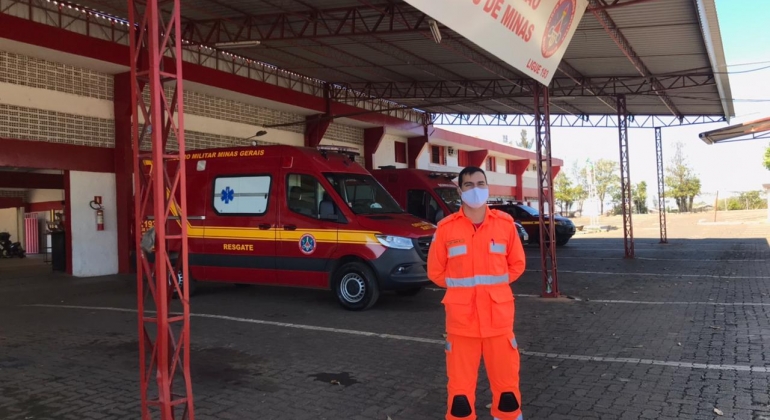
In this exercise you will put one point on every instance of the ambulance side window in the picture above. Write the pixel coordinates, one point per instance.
(242, 195)
(422, 205)
(307, 196)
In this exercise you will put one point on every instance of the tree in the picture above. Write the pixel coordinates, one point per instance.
(767, 158)
(563, 191)
(639, 195)
(524, 142)
(751, 200)
(606, 178)
(682, 184)
(581, 184)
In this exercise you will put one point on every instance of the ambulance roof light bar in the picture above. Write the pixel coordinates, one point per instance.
(447, 175)
(351, 152)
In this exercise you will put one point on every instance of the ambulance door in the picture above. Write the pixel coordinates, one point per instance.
(306, 232)
(240, 228)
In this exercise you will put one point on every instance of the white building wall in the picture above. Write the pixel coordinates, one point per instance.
(423, 162)
(43, 196)
(9, 222)
(82, 113)
(530, 179)
(500, 163)
(386, 153)
(497, 178)
(453, 160)
(94, 253)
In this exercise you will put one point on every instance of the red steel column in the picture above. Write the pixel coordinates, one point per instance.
(625, 178)
(661, 186)
(164, 342)
(372, 140)
(68, 222)
(415, 146)
(517, 168)
(545, 188)
(123, 168)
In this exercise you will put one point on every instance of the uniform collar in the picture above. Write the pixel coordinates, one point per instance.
(487, 215)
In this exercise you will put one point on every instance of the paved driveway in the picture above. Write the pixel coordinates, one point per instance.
(679, 331)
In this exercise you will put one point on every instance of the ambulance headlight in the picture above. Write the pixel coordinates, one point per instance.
(397, 242)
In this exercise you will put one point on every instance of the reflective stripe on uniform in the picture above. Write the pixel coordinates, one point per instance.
(477, 281)
(458, 250)
(497, 248)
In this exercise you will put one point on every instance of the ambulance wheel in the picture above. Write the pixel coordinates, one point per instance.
(356, 286)
(182, 284)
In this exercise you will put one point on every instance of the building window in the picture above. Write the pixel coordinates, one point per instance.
(491, 164)
(462, 158)
(400, 152)
(438, 155)
(241, 195)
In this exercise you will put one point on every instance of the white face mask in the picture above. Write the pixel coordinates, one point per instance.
(475, 197)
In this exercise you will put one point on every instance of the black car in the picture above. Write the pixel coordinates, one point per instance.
(529, 218)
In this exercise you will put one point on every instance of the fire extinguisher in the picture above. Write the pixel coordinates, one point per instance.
(97, 205)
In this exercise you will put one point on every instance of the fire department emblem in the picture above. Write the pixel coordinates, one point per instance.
(558, 27)
(307, 244)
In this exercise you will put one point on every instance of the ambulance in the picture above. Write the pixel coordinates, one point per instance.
(429, 195)
(297, 216)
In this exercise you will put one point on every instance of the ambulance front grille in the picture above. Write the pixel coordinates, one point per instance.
(423, 245)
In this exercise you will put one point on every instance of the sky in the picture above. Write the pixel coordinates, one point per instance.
(726, 168)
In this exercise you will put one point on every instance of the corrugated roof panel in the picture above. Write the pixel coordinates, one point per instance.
(666, 35)
(596, 67)
(678, 64)
(593, 43)
(661, 12)
(669, 40)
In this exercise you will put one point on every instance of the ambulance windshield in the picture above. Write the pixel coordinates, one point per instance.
(451, 197)
(363, 194)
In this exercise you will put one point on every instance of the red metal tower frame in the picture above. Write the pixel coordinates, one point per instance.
(661, 186)
(625, 178)
(164, 343)
(545, 187)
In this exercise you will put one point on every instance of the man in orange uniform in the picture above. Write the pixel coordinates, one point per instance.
(475, 255)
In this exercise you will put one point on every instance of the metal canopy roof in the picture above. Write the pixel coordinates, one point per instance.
(666, 56)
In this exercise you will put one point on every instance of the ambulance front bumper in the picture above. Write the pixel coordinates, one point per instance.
(399, 269)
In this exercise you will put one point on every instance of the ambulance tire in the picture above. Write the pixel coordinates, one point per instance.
(193, 285)
(355, 286)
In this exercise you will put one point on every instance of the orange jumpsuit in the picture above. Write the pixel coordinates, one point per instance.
(476, 266)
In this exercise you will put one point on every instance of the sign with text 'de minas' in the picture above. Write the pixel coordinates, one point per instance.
(530, 35)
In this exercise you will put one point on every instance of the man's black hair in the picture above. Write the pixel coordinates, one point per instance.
(469, 170)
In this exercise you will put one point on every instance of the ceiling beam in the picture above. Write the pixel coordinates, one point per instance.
(605, 88)
(31, 180)
(614, 32)
(580, 80)
(387, 18)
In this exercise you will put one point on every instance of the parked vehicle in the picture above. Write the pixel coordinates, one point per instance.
(429, 195)
(296, 216)
(10, 249)
(530, 219)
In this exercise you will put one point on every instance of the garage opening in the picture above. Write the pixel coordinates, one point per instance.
(32, 219)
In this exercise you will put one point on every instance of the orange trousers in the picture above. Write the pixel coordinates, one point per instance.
(501, 360)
